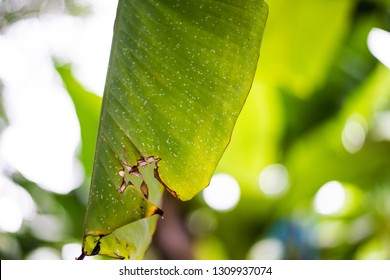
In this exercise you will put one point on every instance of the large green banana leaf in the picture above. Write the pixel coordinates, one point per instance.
(178, 76)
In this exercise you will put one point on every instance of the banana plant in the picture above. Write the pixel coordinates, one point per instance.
(178, 77)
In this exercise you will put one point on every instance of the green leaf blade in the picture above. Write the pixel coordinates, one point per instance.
(186, 82)
(178, 77)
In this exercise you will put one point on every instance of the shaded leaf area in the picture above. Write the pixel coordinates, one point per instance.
(178, 76)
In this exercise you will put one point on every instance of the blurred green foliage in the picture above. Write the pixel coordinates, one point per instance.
(316, 82)
(12, 11)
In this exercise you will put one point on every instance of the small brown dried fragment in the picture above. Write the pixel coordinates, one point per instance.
(144, 189)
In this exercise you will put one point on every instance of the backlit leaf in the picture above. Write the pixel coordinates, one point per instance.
(178, 76)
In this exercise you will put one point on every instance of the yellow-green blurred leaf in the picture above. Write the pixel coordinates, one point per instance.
(301, 40)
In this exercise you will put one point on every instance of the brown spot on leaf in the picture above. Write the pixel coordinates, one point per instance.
(144, 189)
(129, 171)
(126, 181)
(133, 170)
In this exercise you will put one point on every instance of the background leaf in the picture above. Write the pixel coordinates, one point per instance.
(300, 47)
(88, 106)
